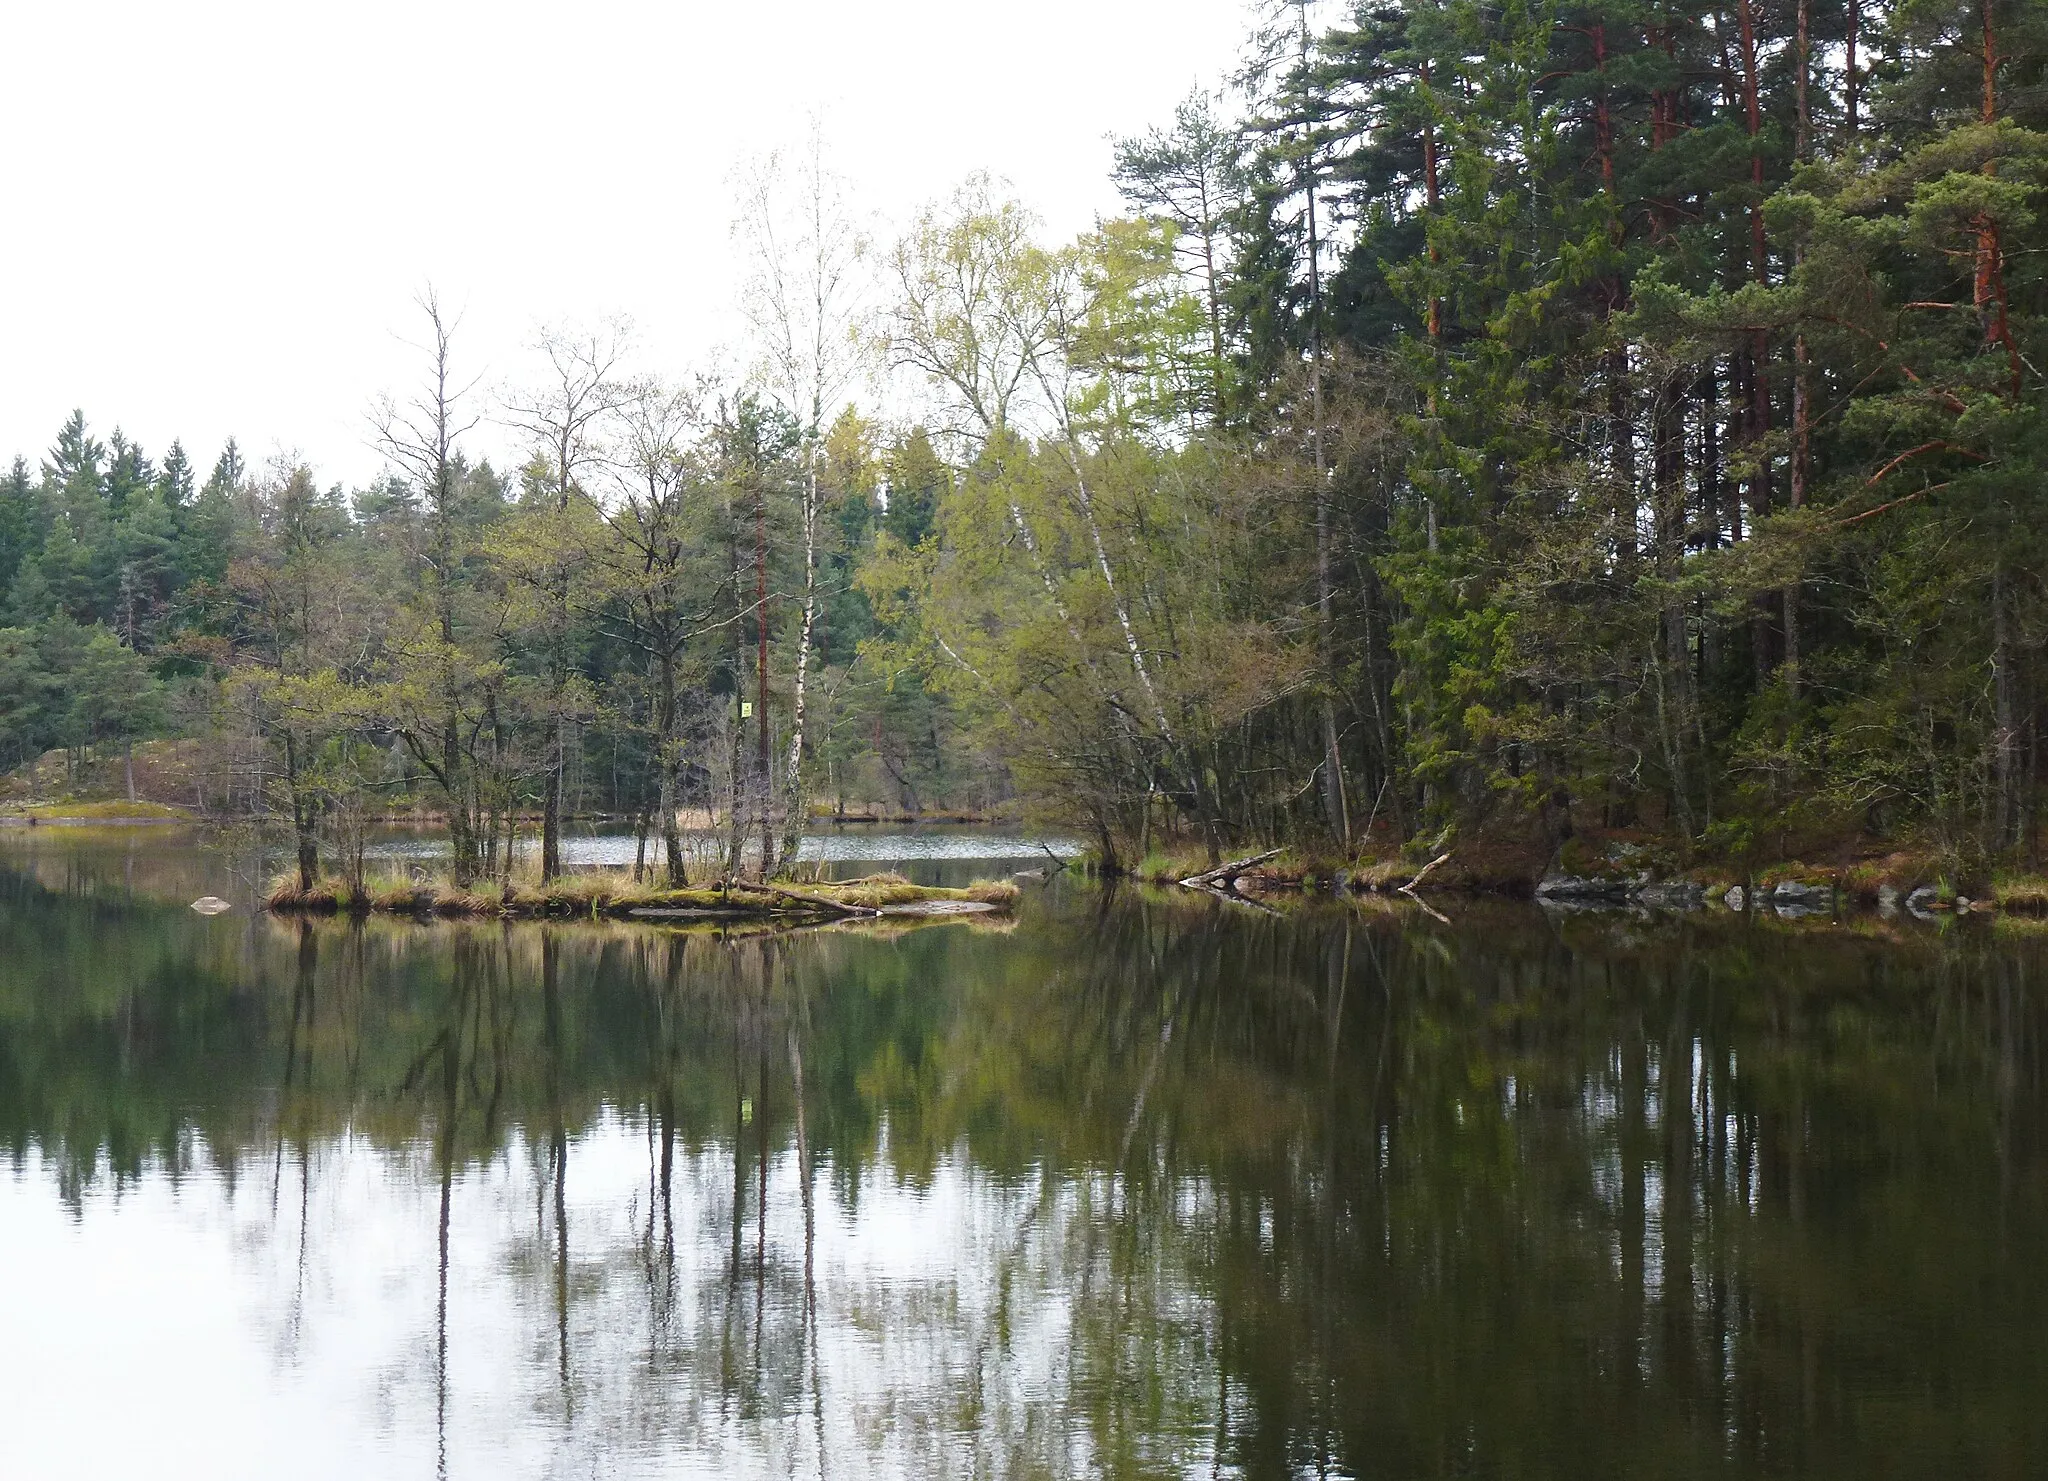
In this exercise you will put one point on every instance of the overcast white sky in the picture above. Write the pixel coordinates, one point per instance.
(217, 214)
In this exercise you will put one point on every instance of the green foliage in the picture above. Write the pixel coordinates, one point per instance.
(79, 688)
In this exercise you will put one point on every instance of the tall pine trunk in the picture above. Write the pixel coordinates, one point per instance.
(1334, 811)
(1801, 433)
(2004, 722)
(1757, 412)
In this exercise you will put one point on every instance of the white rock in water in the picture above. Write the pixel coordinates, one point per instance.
(1735, 899)
(211, 905)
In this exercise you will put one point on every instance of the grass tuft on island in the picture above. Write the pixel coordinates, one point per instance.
(2021, 894)
(103, 812)
(600, 894)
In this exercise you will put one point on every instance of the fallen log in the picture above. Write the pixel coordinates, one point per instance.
(1233, 897)
(1409, 888)
(1225, 875)
(861, 912)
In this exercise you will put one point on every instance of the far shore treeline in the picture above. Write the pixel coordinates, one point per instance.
(1490, 422)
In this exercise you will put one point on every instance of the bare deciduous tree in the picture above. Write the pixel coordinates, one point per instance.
(560, 414)
(655, 568)
(437, 710)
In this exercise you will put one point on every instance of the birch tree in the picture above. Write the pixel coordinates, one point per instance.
(807, 299)
(1026, 345)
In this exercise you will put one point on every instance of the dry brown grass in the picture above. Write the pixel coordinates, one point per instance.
(877, 890)
(1863, 880)
(1171, 866)
(584, 892)
(1383, 874)
(1792, 871)
(1902, 869)
(1296, 868)
(325, 897)
(2021, 894)
(402, 897)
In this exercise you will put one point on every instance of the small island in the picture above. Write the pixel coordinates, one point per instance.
(613, 894)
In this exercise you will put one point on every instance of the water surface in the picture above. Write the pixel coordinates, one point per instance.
(1141, 1185)
(936, 854)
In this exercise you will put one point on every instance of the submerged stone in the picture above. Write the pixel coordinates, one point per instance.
(1581, 887)
(1812, 896)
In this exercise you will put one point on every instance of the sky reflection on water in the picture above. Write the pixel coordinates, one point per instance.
(848, 846)
(296, 1307)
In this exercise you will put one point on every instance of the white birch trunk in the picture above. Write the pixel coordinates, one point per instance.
(792, 786)
(1116, 598)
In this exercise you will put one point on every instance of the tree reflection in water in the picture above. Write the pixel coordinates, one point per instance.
(1138, 1187)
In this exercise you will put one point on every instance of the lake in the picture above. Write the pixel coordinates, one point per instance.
(1139, 1184)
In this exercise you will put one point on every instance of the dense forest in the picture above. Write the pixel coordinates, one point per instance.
(1489, 419)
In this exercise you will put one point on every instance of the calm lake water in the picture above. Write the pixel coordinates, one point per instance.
(937, 854)
(1140, 1185)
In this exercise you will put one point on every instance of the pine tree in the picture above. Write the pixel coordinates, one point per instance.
(129, 473)
(174, 483)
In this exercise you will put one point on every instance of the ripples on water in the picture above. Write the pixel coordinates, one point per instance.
(1141, 1185)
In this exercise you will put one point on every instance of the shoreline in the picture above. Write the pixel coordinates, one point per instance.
(1627, 874)
(1589, 871)
(25, 824)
